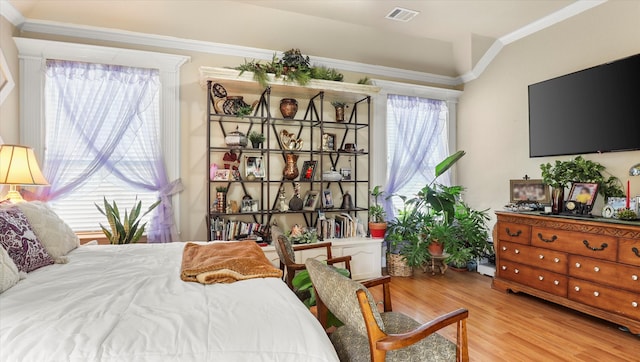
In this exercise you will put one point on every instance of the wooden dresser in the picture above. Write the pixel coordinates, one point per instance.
(590, 265)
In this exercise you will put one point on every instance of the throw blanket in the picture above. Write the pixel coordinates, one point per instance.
(225, 263)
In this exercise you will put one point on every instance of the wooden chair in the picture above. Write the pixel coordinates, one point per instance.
(368, 335)
(286, 254)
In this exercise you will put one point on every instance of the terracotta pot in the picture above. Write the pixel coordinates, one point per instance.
(288, 108)
(377, 229)
(436, 248)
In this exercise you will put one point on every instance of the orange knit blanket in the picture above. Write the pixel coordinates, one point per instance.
(225, 263)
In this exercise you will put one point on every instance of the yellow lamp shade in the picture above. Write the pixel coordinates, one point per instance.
(18, 166)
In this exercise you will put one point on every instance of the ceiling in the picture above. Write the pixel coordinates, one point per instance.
(447, 38)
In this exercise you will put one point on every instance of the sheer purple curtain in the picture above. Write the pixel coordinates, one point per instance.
(98, 123)
(418, 128)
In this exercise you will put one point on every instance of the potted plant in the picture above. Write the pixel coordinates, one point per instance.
(562, 173)
(256, 139)
(402, 239)
(377, 223)
(127, 230)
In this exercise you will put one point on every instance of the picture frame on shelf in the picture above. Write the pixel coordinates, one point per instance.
(310, 200)
(327, 199)
(222, 175)
(346, 173)
(617, 203)
(308, 170)
(583, 192)
(529, 190)
(254, 165)
(328, 141)
(250, 205)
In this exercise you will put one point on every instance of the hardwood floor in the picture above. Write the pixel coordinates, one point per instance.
(511, 327)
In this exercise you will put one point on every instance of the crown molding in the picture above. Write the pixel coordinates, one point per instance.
(534, 27)
(10, 13)
(162, 41)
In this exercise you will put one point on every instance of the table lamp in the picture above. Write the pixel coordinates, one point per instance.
(18, 166)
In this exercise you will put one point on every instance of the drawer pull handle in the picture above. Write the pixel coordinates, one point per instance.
(517, 251)
(634, 304)
(634, 277)
(635, 251)
(596, 294)
(577, 265)
(557, 260)
(513, 235)
(601, 248)
(517, 271)
(504, 267)
(596, 269)
(541, 256)
(577, 289)
(541, 277)
(556, 282)
(504, 248)
(553, 238)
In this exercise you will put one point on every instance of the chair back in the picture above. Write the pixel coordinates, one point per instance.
(338, 293)
(283, 246)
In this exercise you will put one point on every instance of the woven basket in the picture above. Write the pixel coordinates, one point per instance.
(397, 266)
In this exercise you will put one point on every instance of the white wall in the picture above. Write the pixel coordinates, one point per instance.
(493, 110)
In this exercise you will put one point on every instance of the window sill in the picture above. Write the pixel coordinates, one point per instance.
(86, 237)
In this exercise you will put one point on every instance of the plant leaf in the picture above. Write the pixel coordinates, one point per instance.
(446, 164)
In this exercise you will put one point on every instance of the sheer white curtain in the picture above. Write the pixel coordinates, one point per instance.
(96, 121)
(419, 143)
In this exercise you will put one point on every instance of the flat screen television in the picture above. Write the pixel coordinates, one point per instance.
(591, 111)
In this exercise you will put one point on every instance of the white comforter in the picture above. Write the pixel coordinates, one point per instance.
(127, 303)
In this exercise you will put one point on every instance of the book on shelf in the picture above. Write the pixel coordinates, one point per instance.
(233, 230)
(337, 227)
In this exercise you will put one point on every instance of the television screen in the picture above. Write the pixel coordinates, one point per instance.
(591, 111)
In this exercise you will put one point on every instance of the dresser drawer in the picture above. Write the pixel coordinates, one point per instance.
(513, 232)
(606, 298)
(534, 277)
(572, 242)
(629, 251)
(605, 272)
(552, 260)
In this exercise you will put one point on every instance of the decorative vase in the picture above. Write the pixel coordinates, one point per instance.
(221, 205)
(291, 168)
(557, 198)
(288, 108)
(340, 114)
(296, 203)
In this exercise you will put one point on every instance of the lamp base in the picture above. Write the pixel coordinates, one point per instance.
(13, 195)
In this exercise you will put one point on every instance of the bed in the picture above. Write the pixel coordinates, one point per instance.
(127, 302)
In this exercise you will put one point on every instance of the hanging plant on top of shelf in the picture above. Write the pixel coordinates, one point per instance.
(293, 67)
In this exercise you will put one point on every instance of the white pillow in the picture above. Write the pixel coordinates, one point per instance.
(9, 274)
(55, 235)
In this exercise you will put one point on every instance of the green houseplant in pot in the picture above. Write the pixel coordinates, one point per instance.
(377, 223)
(562, 173)
(256, 139)
(128, 229)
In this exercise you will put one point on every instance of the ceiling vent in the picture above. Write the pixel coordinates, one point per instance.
(401, 14)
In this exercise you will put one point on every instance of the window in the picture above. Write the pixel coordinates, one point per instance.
(33, 53)
(397, 143)
(77, 207)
